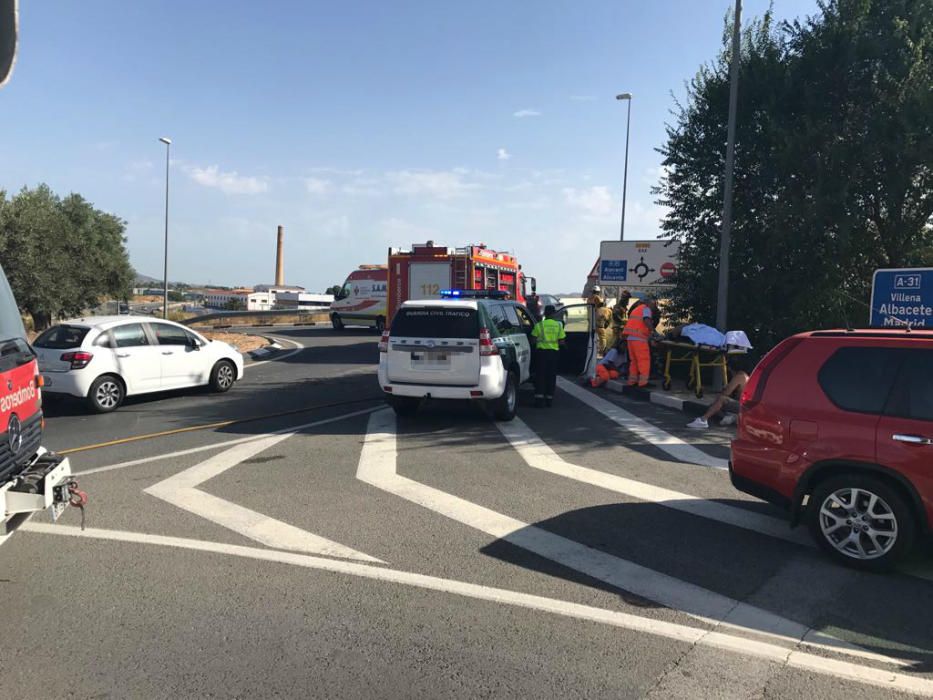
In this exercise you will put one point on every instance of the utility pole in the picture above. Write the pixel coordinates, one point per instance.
(722, 301)
(627, 96)
(168, 147)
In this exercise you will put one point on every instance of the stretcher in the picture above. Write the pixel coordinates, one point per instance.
(698, 357)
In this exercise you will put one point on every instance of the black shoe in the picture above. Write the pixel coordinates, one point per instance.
(549, 402)
(539, 403)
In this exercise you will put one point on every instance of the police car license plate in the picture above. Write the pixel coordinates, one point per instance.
(432, 360)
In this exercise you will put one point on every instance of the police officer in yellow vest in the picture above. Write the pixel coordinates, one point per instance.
(548, 336)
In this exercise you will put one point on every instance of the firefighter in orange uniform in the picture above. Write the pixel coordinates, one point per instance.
(637, 333)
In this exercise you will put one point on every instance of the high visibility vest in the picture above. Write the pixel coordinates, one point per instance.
(635, 327)
(548, 333)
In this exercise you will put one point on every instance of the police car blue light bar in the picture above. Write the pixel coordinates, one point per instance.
(473, 294)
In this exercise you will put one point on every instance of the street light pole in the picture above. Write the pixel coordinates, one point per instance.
(627, 96)
(168, 147)
(725, 239)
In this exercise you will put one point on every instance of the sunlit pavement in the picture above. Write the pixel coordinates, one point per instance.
(316, 546)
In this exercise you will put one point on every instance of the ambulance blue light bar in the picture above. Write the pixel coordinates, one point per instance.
(473, 294)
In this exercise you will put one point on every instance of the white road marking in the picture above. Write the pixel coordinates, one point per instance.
(378, 467)
(220, 445)
(801, 660)
(653, 435)
(540, 456)
(181, 491)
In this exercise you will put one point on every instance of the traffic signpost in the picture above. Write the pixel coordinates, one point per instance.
(902, 298)
(638, 265)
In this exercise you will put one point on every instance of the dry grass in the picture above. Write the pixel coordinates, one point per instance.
(248, 320)
(243, 343)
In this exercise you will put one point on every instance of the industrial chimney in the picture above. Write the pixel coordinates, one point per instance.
(280, 259)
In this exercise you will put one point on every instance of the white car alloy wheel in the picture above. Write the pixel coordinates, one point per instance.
(108, 394)
(858, 523)
(225, 376)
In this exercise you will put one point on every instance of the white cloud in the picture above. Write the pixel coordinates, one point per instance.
(595, 201)
(316, 185)
(583, 98)
(526, 113)
(503, 154)
(443, 184)
(227, 182)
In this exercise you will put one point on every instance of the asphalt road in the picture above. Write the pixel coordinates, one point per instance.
(311, 545)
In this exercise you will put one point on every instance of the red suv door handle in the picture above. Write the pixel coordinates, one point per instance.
(913, 439)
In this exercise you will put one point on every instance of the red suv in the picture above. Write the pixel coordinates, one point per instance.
(837, 427)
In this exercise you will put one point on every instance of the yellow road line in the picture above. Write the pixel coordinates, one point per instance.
(208, 426)
(149, 436)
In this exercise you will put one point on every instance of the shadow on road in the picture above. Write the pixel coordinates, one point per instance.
(880, 613)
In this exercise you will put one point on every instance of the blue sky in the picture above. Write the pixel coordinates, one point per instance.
(356, 125)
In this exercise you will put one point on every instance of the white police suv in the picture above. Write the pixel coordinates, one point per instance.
(466, 345)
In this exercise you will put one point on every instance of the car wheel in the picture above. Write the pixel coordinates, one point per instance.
(505, 407)
(861, 521)
(223, 376)
(106, 394)
(336, 322)
(403, 405)
(380, 325)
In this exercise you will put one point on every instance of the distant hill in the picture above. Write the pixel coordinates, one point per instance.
(145, 280)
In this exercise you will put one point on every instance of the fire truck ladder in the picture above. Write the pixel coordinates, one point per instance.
(461, 278)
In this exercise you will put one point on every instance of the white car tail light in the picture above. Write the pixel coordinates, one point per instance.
(486, 346)
(384, 342)
(78, 360)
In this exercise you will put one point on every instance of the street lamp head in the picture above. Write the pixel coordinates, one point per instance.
(624, 96)
(166, 140)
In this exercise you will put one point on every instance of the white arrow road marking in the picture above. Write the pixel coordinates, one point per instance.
(378, 467)
(653, 435)
(181, 490)
(540, 456)
(889, 680)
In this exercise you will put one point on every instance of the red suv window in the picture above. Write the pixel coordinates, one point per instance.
(860, 379)
(914, 397)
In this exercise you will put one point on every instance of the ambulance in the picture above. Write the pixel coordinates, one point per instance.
(362, 300)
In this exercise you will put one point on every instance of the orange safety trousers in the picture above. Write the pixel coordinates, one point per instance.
(639, 362)
(603, 375)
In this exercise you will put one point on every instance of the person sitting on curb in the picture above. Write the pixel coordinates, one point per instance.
(610, 367)
(725, 401)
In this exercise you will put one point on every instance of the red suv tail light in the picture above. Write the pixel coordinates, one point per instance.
(78, 360)
(486, 346)
(384, 342)
(755, 388)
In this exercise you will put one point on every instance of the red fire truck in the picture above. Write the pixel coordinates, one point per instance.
(428, 268)
(31, 479)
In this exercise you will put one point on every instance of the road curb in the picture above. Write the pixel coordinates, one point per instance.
(659, 397)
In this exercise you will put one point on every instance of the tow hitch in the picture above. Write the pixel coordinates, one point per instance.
(45, 484)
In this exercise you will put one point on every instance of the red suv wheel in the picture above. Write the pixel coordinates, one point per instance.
(861, 521)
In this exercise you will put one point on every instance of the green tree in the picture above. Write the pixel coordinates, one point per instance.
(61, 256)
(235, 305)
(834, 150)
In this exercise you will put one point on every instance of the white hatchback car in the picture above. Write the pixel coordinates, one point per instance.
(105, 359)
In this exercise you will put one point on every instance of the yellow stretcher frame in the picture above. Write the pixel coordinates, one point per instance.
(690, 353)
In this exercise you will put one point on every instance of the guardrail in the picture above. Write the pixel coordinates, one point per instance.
(301, 317)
